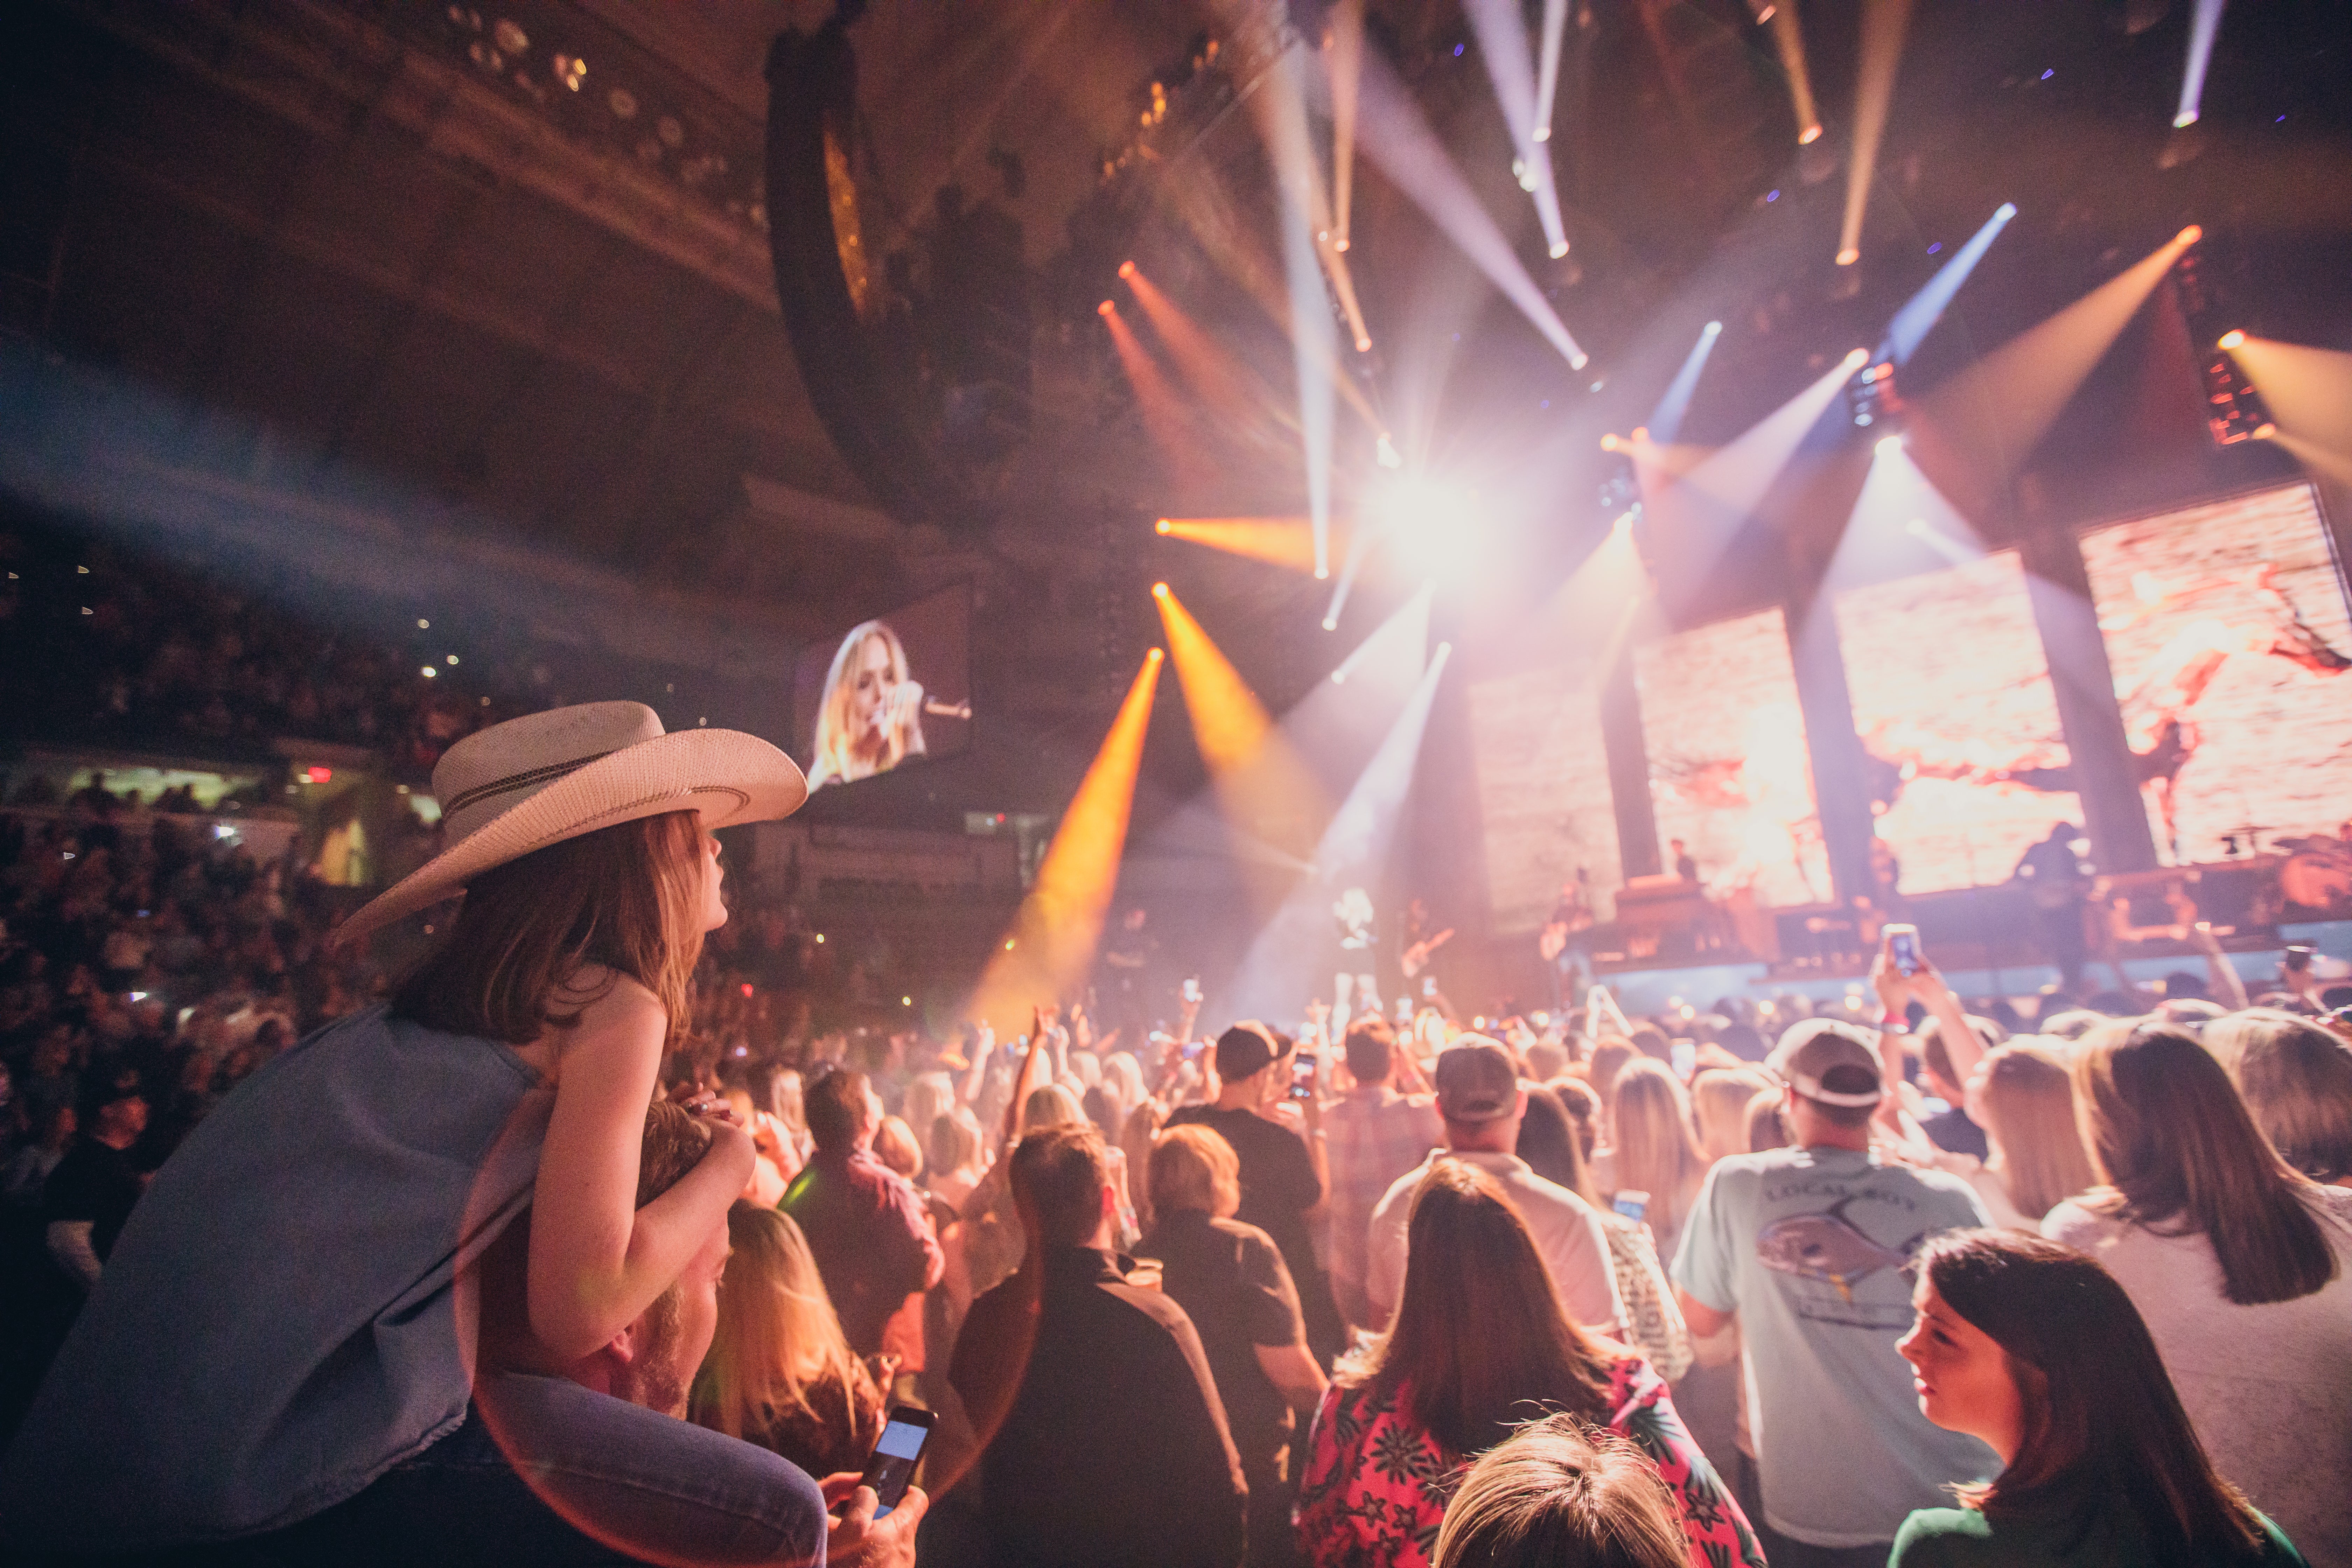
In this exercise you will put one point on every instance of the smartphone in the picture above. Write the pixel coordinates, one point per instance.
(1903, 947)
(1630, 1202)
(892, 1468)
(1302, 1075)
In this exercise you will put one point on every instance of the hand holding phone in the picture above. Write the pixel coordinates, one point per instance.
(892, 1468)
(1902, 949)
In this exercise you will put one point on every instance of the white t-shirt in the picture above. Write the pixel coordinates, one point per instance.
(1567, 1233)
(2268, 1387)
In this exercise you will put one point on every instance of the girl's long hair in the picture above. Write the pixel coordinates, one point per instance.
(628, 897)
(2103, 1429)
(2028, 1100)
(2179, 1153)
(1657, 1152)
(777, 1337)
(1480, 1342)
(2298, 1080)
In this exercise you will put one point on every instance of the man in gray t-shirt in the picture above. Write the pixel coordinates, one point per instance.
(1808, 1248)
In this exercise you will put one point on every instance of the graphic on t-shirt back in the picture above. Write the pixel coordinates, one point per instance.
(1828, 1249)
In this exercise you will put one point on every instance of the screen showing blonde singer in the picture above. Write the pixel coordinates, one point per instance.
(894, 688)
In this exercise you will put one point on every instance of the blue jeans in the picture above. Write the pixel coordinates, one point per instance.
(547, 1473)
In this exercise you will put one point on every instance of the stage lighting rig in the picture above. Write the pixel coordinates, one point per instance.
(2234, 410)
(1871, 395)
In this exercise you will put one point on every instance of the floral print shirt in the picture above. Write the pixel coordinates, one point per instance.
(1376, 1485)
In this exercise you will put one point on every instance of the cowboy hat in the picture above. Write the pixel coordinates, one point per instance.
(538, 780)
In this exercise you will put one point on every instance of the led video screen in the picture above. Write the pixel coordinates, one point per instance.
(1543, 791)
(887, 691)
(1951, 696)
(2227, 632)
(1729, 774)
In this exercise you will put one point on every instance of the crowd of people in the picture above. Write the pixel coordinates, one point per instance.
(1936, 1284)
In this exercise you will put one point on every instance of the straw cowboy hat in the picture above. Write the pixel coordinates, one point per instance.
(538, 780)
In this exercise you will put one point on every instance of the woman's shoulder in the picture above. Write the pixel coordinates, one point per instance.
(1933, 1537)
(2077, 1222)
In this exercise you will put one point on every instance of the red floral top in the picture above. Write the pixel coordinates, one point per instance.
(1376, 1485)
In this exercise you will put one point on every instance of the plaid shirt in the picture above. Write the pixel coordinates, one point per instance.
(1371, 1137)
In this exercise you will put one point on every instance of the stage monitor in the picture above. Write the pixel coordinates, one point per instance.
(1729, 774)
(887, 691)
(2227, 632)
(1968, 767)
(1543, 790)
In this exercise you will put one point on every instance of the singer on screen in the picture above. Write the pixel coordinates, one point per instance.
(872, 716)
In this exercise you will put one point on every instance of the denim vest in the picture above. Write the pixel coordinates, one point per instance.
(279, 1322)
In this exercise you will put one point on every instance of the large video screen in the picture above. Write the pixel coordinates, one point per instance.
(1729, 774)
(1543, 791)
(2227, 632)
(887, 691)
(1951, 696)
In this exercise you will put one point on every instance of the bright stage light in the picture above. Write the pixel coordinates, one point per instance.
(2231, 340)
(1611, 442)
(1623, 526)
(1159, 590)
(1162, 525)
(1883, 24)
(1330, 624)
(1808, 135)
(2203, 24)
(1558, 248)
(2264, 431)
(1920, 313)
(1714, 327)
(1640, 434)
(1887, 444)
(2184, 119)
(1127, 269)
(1857, 358)
(1386, 454)
(2189, 236)
(1848, 257)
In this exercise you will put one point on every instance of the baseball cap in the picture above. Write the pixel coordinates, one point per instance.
(1475, 1080)
(1244, 1049)
(1811, 1051)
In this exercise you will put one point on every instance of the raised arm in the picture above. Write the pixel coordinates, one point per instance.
(2226, 982)
(597, 1261)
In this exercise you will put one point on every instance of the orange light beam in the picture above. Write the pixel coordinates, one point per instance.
(1285, 541)
(1343, 285)
(1050, 946)
(1347, 61)
(1262, 784)
(1883, 24)
(1970, 434)
(1163, 415)
(2309, 392)
(1789, 39)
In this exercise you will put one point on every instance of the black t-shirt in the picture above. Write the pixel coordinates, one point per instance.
(1231, 1281)
(1278, 1182)
(94, 1182)
(1954, 1132)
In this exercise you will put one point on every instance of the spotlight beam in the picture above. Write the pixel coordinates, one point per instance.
(1555, 25)
(1898, 510)
(2203, 26)
(1789, 39)
(1502, 32)
(1280, 110)
(1883, 23)
(1354, 852)
(1974, 431)
(1285, 541)
(1920, 313)
(1050, 947)
(1347, 53)
(1393, 134)
(1666, 419)
(1163, 412)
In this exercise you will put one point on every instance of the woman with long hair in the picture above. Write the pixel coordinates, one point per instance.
(779, 1372)
(350, 1196)
(870, 717)
(1657, 1153)
(2298, 1080)
(1719, 1098)
(1478, 1345)
(2023, 1095)
(2038, 1351)
(2238, 1263)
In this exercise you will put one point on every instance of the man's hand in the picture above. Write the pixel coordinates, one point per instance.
(854, 1538)
(1894, 987)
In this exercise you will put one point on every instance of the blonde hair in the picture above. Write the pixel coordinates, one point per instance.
(1657, 1153)
(1194, 1168)
(2029, 1104)
(1049, 1105)
(777, 1337)
(1719, 1098)
(832, 752)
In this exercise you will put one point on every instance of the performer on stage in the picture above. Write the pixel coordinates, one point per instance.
(1560, 941)
(1353, 983)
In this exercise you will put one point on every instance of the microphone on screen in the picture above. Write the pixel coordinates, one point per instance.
(939, 710)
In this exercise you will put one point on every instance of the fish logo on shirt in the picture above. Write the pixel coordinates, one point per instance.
(1827, 1247)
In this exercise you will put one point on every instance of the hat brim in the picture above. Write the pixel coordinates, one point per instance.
(726, 775)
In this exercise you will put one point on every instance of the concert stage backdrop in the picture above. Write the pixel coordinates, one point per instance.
(1543, 789)
(1729, 774)
(2227, 632)
(1952, 699)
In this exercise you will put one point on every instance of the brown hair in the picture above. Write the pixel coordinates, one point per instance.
(1194, 1168)
(1559, 1494)
(2029, 1103)
(1767, 1128)
(1058, 1176)
(1581, 1100)
(834, 1107)
(627, 897)
(1657, 1151)
(1479, 1333)
(2297, 1081)
(1371, 1045)
(1938, 1054)
(1719, 1098)
(2169, 1135)
(1609, 1059)
(2103, 1425)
